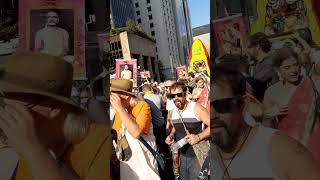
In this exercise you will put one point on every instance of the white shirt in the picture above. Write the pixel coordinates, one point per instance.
(126, 74)
(52, 41)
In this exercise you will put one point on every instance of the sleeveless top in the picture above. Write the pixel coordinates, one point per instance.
(253, 163)
(193, 124)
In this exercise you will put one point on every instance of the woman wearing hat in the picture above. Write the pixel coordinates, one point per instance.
(46, 135)
(132, 121)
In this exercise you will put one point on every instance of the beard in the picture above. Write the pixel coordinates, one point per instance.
(224, 140)
(179, 104)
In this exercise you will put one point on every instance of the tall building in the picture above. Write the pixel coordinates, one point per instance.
(121, 12)
(167, 22)
(128, 45)
(183, 28)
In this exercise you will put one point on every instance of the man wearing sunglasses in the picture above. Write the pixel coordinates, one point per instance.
(192, 116)
(251, 152)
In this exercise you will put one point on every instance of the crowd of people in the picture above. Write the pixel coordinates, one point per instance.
(265, 103)
(171, 116)
(261, 120)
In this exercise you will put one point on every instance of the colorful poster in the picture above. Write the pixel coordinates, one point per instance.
(127, 69)
(145, 74)
(103, 42)
(199, 58)
(54, 27)
(301, 117)
(230, 35)
(279, 16)
(182, 72)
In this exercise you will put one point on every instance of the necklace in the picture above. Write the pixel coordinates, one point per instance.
(226, 169)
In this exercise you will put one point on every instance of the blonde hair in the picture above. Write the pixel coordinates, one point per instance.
(76, 127)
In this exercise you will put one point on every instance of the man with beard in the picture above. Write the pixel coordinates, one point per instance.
(246, 152)
(193, 115)
(52, 39)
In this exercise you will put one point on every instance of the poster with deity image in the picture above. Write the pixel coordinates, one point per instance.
(182, 72)
(282, 16)
(145, 74)
(127, 69)
(54, 27)
(230, 34)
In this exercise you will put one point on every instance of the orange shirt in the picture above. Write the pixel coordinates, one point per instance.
(88, 160)
(142, 114)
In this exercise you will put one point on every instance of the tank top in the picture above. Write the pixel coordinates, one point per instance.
(193, 124)
(253, 163)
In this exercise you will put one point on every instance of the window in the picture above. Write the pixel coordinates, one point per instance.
(156, 49)
(139, 21)
(152, 33)
(150, 17)
(137, 5)
(148, 1)
(157, 57)
(151, 25)
(119, 45)
(138, 13)
(149, 9)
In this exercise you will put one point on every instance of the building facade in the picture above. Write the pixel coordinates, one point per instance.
(131, 46)
(121, 12)
(159, 19)
(183, 28)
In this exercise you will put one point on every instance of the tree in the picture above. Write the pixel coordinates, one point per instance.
(131, 26)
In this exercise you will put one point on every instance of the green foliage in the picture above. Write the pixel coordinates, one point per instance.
(8, 33)
(131, 27)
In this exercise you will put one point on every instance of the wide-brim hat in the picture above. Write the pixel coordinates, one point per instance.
(29, 73)
(121, 85)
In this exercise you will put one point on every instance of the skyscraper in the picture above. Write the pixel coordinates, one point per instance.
(183, 28)
(168, 23)
(121, 12)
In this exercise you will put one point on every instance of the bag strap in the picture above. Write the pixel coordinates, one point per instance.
(153, 152)
(114, 117)
(14, 174)
(184, 126)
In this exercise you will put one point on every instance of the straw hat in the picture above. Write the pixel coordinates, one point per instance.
(121, 85)
(37, 74)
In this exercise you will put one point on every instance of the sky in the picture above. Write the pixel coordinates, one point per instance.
(199, 12)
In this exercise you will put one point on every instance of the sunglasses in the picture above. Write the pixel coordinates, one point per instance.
(227, 105)
(172, 96)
